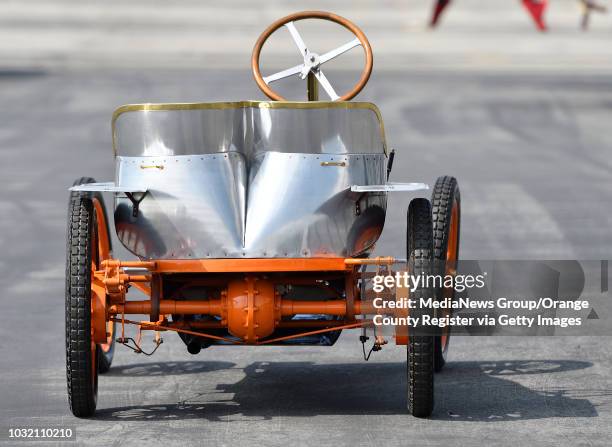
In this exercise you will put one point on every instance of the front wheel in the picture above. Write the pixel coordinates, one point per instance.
(88, 244)
(446, 217)
(420, 346)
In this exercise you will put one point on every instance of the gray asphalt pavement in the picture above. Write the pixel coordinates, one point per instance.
(532, 156)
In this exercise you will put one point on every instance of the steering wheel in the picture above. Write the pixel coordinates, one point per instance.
(311, 65)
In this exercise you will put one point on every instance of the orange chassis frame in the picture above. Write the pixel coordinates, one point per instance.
(248, 306)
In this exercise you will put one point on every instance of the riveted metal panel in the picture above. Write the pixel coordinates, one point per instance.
(279, 205)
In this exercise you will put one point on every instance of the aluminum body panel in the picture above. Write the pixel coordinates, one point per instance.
(299, 207)
(249, 179)
(194, 207)
(279, 205)
(248, 127)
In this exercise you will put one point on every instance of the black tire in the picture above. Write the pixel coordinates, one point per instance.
(83, 359)
(420, 346)
(445, 194)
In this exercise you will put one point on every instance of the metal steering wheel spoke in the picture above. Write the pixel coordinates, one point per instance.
(297, 38)
(284, 74)
(326, 85)
(338, 51)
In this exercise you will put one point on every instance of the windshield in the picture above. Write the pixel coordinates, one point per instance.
(248, 127)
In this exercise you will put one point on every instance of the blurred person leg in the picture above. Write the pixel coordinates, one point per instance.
(589, 6)
(536, 9)
(439, 6)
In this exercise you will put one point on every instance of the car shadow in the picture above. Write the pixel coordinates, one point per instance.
(167, 368)
(465, 391)
(496, 391)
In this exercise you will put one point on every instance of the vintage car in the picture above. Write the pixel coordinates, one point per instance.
(251, 223)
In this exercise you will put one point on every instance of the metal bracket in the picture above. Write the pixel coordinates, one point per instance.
(390, 163)
(390, 187)
(135, 198)
(358, 203)
(106, 187)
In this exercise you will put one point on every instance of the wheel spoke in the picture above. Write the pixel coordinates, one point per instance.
(326, 85)
(297, 38)
(338, 51)
(283, 74)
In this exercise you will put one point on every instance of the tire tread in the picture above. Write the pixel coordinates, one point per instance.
(81, 394)
(420, 348)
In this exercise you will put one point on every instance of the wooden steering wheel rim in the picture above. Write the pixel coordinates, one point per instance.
(365, 74)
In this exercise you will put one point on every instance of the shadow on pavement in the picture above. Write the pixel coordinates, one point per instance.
(495, 391)
(9, 73)
(167, 368)
(465, 391)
